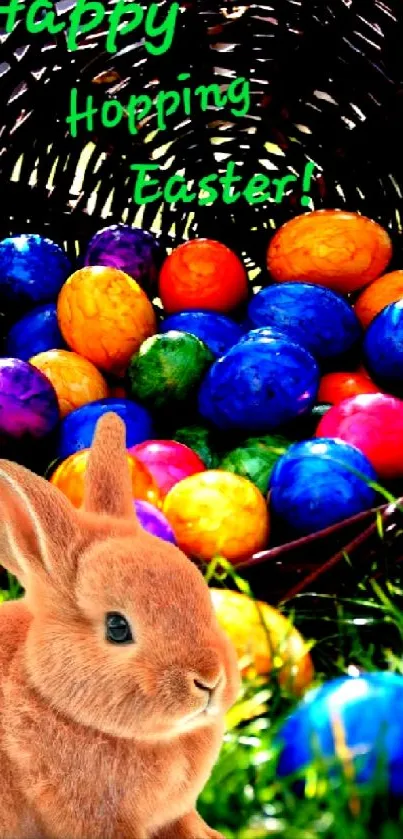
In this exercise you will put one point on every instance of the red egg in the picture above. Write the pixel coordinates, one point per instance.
(335, 387)
(167, 461)
(202, 274)
(374, 424)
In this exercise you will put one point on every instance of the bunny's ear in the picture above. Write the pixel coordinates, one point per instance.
(38, 526)
(108, 486)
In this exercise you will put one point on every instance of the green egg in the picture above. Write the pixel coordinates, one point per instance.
(256, 458)
(166, 371)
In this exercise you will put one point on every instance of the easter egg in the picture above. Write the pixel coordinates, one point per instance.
(36, 332)
(105, 316)
(76, 431)
(154, 521)
(167, 369)
(259, 385)
(69, 477)
(216, 513)
(379, 294)
(75, 380)
(264, 639)
(383, 348)
(218, 332)
(130, 249)
(334, 387)
(315, 317)
(32, 270)
(167, 461)
(373, 423)
(28, 402)
(333, 248)
(202, 274)
(199, 438)
(315, 485)
(352, 720)
(255, 460)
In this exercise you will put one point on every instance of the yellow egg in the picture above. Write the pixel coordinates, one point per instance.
(76, 381)
(217, 513)
(279, 646)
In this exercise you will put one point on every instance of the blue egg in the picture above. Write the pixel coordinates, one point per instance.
(383, 348)
(218, 332)
(77, 429)
(315, 484)
(259, 385)
(366, 711)
(32, 269)
(37, 332)
(313, 316)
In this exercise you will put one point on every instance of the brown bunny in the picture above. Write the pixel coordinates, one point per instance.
(115, 675)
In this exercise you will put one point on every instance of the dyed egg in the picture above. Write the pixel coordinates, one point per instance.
(32, 269)
(354, 721)
(167, 461)
(255, 459)
(342, 251)
(315, 485)
(167, 369)
(202, 274)
(383, 348)
(383, 291)
(37, 332)
(315, 317)
(130, 249)
(374, 424)
(77, 429)
(218, 332)
(334, 387)
(283, 651)
(259, 385)
(152, 520)
(105, 316)
(28, 402)
(201, 440)
(75, 380)
(216, 513)
(69, 477)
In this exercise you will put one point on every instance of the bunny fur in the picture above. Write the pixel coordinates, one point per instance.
(100, 740)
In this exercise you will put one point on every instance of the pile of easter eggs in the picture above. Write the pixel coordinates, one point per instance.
(248, 415)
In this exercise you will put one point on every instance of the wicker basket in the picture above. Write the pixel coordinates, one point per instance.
(327, 86)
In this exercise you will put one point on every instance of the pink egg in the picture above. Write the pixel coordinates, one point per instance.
(168, 461)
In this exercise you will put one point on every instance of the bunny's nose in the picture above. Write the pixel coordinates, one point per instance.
(208, 686)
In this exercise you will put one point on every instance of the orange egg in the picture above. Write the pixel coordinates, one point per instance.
(217, 513)
(202, 274)
(105, 316)
(334, 387)
(69, 478)
(339, 250)
(75, 380)
(263, 647)
(386, 289)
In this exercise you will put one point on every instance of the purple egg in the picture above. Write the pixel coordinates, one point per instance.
(28, 402)
(132, 250)
(154, 521)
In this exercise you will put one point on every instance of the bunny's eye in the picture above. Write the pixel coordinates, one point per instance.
(118, 629)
